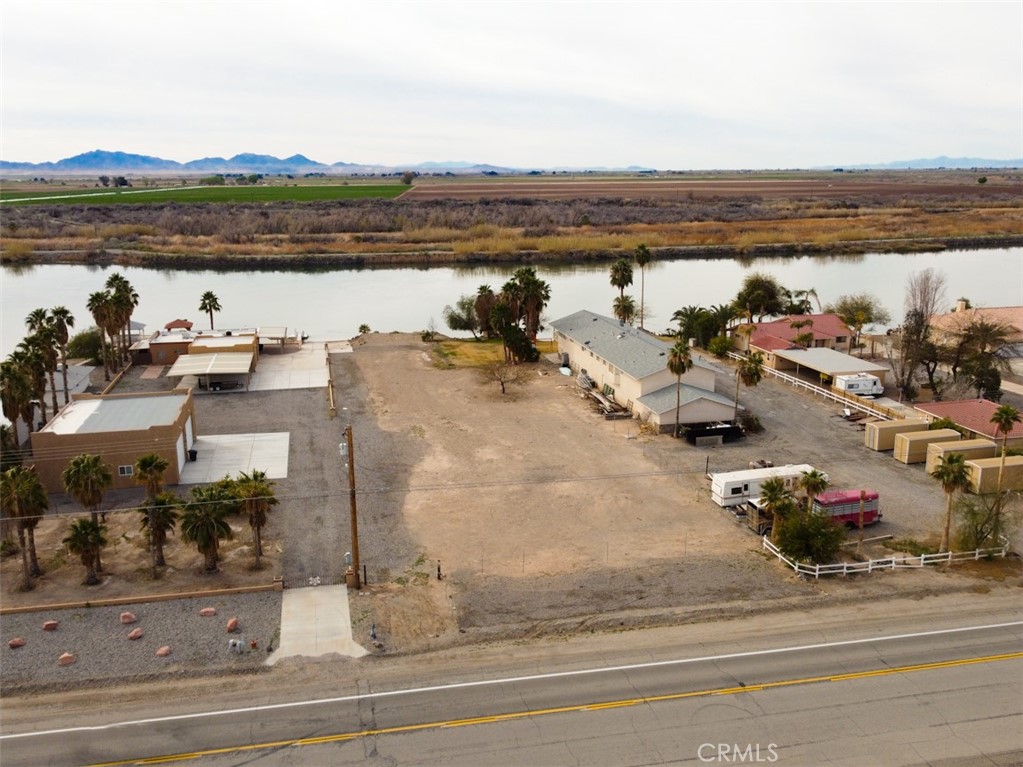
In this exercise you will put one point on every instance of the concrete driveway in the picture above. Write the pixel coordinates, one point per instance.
(303, 369)
(218, 455)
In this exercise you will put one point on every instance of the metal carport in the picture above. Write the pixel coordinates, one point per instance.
(206, 366)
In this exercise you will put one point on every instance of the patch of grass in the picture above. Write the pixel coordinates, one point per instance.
(910, 546)
(460, 353)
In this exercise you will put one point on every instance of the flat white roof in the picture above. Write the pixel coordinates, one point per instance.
(211, 364)
(215, 341)
(91, 416)
(273, 331)
(829, 361)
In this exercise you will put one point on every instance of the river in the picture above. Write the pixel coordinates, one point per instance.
(333, 304)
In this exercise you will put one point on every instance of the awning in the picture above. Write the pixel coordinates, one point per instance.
(222, 363)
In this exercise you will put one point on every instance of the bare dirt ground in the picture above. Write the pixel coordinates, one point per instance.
(543, 517)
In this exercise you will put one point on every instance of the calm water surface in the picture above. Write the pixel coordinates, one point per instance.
(333, 304)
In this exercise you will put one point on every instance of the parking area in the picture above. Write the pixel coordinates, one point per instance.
(302, 369)
(219, 455)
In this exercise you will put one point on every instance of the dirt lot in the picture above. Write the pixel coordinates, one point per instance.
(543, 517)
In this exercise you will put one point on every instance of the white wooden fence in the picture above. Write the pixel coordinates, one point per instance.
(888, 563)
(850, 401)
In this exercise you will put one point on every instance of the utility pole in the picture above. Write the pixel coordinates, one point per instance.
(348, 456)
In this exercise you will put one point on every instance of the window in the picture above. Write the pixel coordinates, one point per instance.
(125, 471)
(840, 339)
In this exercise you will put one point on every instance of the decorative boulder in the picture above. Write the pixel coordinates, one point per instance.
(50, 625)
(232, 625)
(16, 643)
(127, 618)
(163, 652)
(135, 634)
(66, 659)
(208, 612)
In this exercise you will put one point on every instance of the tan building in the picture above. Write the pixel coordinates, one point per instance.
(165, 346)
(630, 366)
(120, 428)
(828, 331)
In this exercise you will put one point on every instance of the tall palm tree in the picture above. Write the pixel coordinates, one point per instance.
(1005, 419)
(44, 340)
(99, 306)
(29, 354)
(812, 482)
(625, 308)
(209, 303)
(63, 322)
(16, 391)
(621, 275)
(723, 314)
(642, 259)
(749, 371)
(954, 475)
(124, 300)
(533, 295)
(159, 517)
(778, 501)
(24, 499)
(256, 493)
(86, 538)
(679, 363)
(204, 521)
(484, 305)
(86, 478)
(149, 471)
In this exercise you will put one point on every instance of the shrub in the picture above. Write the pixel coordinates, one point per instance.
(946, 423)
(751, 423)
(364, 328)
(86, 345)
(719, 346)
(813, 538)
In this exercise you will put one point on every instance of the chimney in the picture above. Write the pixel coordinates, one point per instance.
(960, 306)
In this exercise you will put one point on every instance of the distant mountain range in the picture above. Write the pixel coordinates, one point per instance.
(103, 162)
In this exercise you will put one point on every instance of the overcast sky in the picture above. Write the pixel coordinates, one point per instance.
(666, 85)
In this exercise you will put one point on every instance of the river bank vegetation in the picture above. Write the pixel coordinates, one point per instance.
(366, 232)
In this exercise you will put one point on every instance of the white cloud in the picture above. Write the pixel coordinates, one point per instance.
(662, 84)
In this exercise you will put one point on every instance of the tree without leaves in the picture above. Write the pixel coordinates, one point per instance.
(502, 373)
(954, 476)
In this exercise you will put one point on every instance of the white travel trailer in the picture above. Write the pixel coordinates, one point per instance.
(860, 384)
(734, 488)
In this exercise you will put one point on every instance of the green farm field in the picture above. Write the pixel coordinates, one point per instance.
(235, 194)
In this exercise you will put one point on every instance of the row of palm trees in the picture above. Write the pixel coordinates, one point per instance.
(111, 310)
(624, 306)
(87, 477)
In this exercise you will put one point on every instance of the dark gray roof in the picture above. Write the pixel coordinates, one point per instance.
(663, 400)
(630, 349)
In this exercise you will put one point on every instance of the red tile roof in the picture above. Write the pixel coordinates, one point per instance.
(783, 334)
(768, 342)
(972, 414)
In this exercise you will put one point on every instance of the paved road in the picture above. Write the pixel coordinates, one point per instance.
(930, 687)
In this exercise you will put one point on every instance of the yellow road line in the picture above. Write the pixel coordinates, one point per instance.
(490, 719)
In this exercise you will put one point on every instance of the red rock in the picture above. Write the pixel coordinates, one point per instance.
(128, 618)
(208, 612)
(16, 642)
(232, 625)
(163, 652)
(135, 634)
(66, 659)
(50, 625)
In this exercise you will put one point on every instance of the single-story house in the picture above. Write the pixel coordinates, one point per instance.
(946, 327)
(828, 330)
(165, 346)
(630, 366)
(120, 428)
(973, 415)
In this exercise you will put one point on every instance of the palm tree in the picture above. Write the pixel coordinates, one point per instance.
(776, 500)
(204, 521)
(954, 475)
(256, 493)
(749, 371)
(63, 321)
(149, 470)
(24, 499)
(625, 308)
(687, 318)
(533, 295)
(159, 517)
(124, 300)
(44, 340)
(679, 363)
(29, 355)
(484, 305)
(86, 538)
(621, 275)
(1005, 419)
(86, 478)
(209, 303)
(723, 314)
(16, 391)
(813, 482)
(99, 305)
(642, 259)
